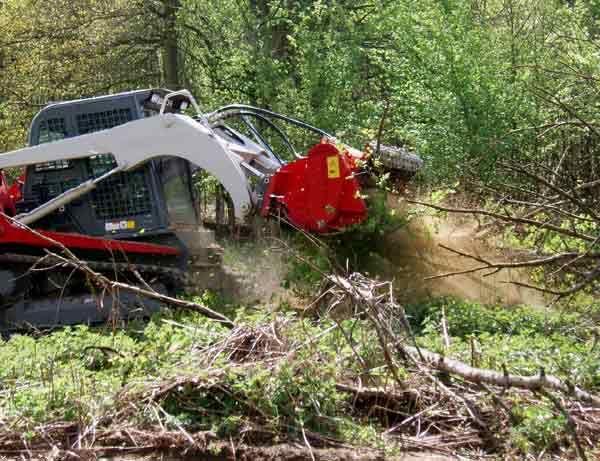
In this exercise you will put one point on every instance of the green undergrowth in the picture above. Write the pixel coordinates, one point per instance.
(344, 251)
(75, 372)
(80, 373)
(521, 339)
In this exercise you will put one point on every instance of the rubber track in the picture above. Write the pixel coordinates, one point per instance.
(95, 265)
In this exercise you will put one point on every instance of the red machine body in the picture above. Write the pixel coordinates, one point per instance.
(83, 192)
(11, 233)
(9, 195)
(318, 193)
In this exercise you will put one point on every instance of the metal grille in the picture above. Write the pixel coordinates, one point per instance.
(45, 191)
(52, 129)
(122, 195)
(53, 166)
(100, 164)
(96, 121)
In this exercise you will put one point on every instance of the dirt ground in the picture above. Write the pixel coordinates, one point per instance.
(281, 453)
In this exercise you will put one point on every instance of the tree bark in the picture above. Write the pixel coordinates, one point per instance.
(481, 375)
(171, 62)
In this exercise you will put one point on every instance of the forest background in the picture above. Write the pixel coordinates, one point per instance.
(465, 83)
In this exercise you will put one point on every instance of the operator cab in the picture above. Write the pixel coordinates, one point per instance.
(150, 202)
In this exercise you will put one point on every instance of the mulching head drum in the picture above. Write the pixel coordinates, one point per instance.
(318, 193)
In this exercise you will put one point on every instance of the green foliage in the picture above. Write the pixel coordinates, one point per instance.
(353, 248)
(75, 372)
(522, 339)
(306, 274)
(548, 242)
(464, 83)
(466, 318)
(538, 429)
(299, 394)
(69, 49)
(360, 240)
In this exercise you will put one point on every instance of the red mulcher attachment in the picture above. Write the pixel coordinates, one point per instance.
(318, 193)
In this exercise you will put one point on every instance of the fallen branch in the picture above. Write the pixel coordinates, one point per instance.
(482, 375)
(378, 393)
(389, 321)
(389, 317)
(112, 286)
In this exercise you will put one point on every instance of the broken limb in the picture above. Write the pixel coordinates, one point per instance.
(482, 375)
(504, 217)
(385, 312)
(497, 266)
(110, 285)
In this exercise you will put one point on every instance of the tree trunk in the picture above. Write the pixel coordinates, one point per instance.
(219, 210)
(171, 62)
(269, 40)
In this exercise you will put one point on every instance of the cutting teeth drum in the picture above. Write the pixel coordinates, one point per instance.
(401, 163)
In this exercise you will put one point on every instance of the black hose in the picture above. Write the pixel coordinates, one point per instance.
(278, 130)
(235, 109)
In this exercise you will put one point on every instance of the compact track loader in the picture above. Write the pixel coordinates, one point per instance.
(112, 179)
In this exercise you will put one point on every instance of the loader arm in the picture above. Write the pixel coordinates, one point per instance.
(138, 141)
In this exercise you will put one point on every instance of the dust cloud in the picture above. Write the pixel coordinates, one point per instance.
(259, 271)
(413, 253)
(407, 256)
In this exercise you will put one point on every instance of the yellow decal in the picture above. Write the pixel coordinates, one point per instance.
(119, 225)
(333, 167)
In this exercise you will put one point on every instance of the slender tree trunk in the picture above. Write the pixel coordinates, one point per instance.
(171, 63)
(219, 209)
(269, 40)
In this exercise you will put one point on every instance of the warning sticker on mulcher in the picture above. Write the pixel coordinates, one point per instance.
(333, 167)
(119, 225)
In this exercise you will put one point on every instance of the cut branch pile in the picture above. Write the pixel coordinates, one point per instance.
(427, 401)
(246, 344)
(423, 400)
(457, 383)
